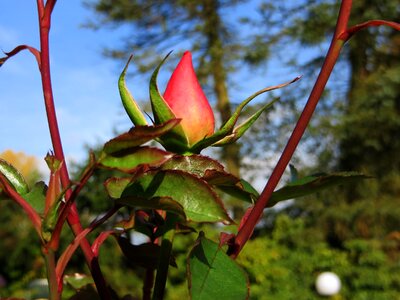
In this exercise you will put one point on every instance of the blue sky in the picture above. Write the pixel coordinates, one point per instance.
(84, 82)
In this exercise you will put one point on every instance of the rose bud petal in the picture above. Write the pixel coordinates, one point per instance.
(187, 101)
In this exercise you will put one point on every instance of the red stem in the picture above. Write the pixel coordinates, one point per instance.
(30, 211)
(73, 217)
(249, 224)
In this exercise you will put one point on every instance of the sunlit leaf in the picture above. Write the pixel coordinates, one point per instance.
(14, 177)
(213, 274)
(115, 186)
(312, 184)
(195, 164)
(199, 201)
(37, 196)
(128, 160)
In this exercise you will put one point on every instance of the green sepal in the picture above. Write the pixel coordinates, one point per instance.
(176, 139)
(53, 163)
(14, 177)
(228, 127)
(242, 128)
(130, 105)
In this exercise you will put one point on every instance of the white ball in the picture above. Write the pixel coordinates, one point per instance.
(327, 284)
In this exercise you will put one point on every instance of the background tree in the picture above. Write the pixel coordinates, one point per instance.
(211, 29)
(356, 128)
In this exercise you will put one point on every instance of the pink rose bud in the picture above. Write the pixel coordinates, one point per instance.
(187, 101)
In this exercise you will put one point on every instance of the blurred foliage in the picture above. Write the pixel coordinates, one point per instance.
(352, 231)
(27, 165)
(20, 256)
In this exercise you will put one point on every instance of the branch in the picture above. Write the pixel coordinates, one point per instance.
(66, 208)
(40, 7)
(73, 216)
(70, 250)
(372, 23)
(19, 48)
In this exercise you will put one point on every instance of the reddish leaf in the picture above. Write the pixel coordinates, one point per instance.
(194, 164)
(138, 136)
(128, 160)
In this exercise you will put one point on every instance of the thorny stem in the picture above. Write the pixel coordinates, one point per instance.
(73, 217)
(246, 231)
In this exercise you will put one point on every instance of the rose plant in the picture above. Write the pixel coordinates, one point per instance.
(167, 190)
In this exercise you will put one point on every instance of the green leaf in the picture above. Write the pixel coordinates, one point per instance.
(144, 255)
(242, 128)
(195, 164)
(131, 107)
(50, 221)
(14, 177)
(312, 184)
(128, 160)
(213, 172)
(213, 274)
(37, 196)
(138, 136)
(162, 202)
(172, 222)
(176, 138)
(115, 186)
(53, 163)
(78, 281)
(199, 201)
(231, 185)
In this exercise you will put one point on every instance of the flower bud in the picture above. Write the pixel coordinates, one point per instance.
(187, 101)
